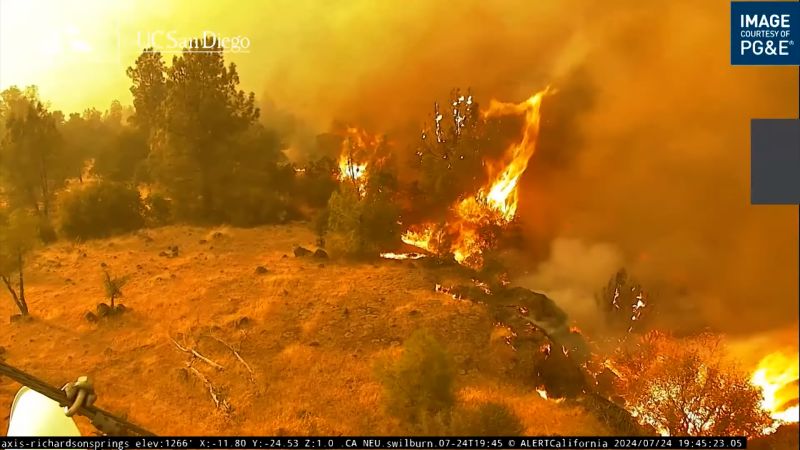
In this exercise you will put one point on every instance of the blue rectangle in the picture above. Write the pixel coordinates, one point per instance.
(765, 33)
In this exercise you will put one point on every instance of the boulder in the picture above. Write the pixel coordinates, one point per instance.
(321, 254)
(302, 251)
(103, 310)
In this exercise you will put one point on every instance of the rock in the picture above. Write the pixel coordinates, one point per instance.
(261, 270)
(320, 253)
(284, 256)
(103, 264)
(103, 310)
(138, 267)
(90, 317)
(2, 350)
(16, 318)
(321, 266)
(241, 322)
(300, 252)
(313, 344)
(119, 308)
(202, 241)
(217, 235)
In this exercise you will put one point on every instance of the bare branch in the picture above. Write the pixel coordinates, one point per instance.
(197, 354)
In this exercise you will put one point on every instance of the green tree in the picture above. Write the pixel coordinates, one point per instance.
(149, 89)
(29, 150)
(17, 238)
(194, 143)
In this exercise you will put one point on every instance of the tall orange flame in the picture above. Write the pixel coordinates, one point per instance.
(358, 147)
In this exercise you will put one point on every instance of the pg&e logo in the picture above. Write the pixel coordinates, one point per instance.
(765, 33)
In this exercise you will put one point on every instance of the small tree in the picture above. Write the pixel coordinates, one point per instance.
(682, 387)
(625, 304)
(17, 238)
(113, 287)
(419, 386)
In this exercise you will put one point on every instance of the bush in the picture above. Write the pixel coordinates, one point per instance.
(488, 419)
(360, 226)
(100, 209)
(158, 209)
(47, 232)
(419, 386)
(249, 207)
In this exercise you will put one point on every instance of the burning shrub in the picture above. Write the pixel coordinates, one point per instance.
(361, 215)
(419, 386)
(682, 387)
(100, 209)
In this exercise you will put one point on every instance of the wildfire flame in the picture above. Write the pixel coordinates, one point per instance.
(777, 377)
(401, 256)
(495, 203)
(358, 147)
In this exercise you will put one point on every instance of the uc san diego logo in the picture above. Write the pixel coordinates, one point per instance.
(765, 33)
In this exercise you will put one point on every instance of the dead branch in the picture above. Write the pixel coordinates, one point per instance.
(197, 354)
(216, 396)
(235, 353)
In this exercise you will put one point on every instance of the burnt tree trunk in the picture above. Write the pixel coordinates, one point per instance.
(23, 305)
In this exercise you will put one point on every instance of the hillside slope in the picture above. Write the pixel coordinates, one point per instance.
(311, 331)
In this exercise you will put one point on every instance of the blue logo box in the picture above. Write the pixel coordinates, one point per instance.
(765, 33)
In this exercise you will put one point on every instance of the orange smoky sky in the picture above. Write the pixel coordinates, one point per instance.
(644, 153)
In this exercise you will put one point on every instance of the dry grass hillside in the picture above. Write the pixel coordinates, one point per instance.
(311, 330)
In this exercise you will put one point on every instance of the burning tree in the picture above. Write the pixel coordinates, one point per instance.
(362, 216)
(449, 153)
(625, 304)
(682, 387)
(474, 222)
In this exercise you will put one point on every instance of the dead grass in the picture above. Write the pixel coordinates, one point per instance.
(311, 334)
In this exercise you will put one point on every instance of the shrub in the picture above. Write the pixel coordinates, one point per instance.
(157, 209)
(47, 232)
(419, 386)
(487, 419)
(359, 226)
(100, 209)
